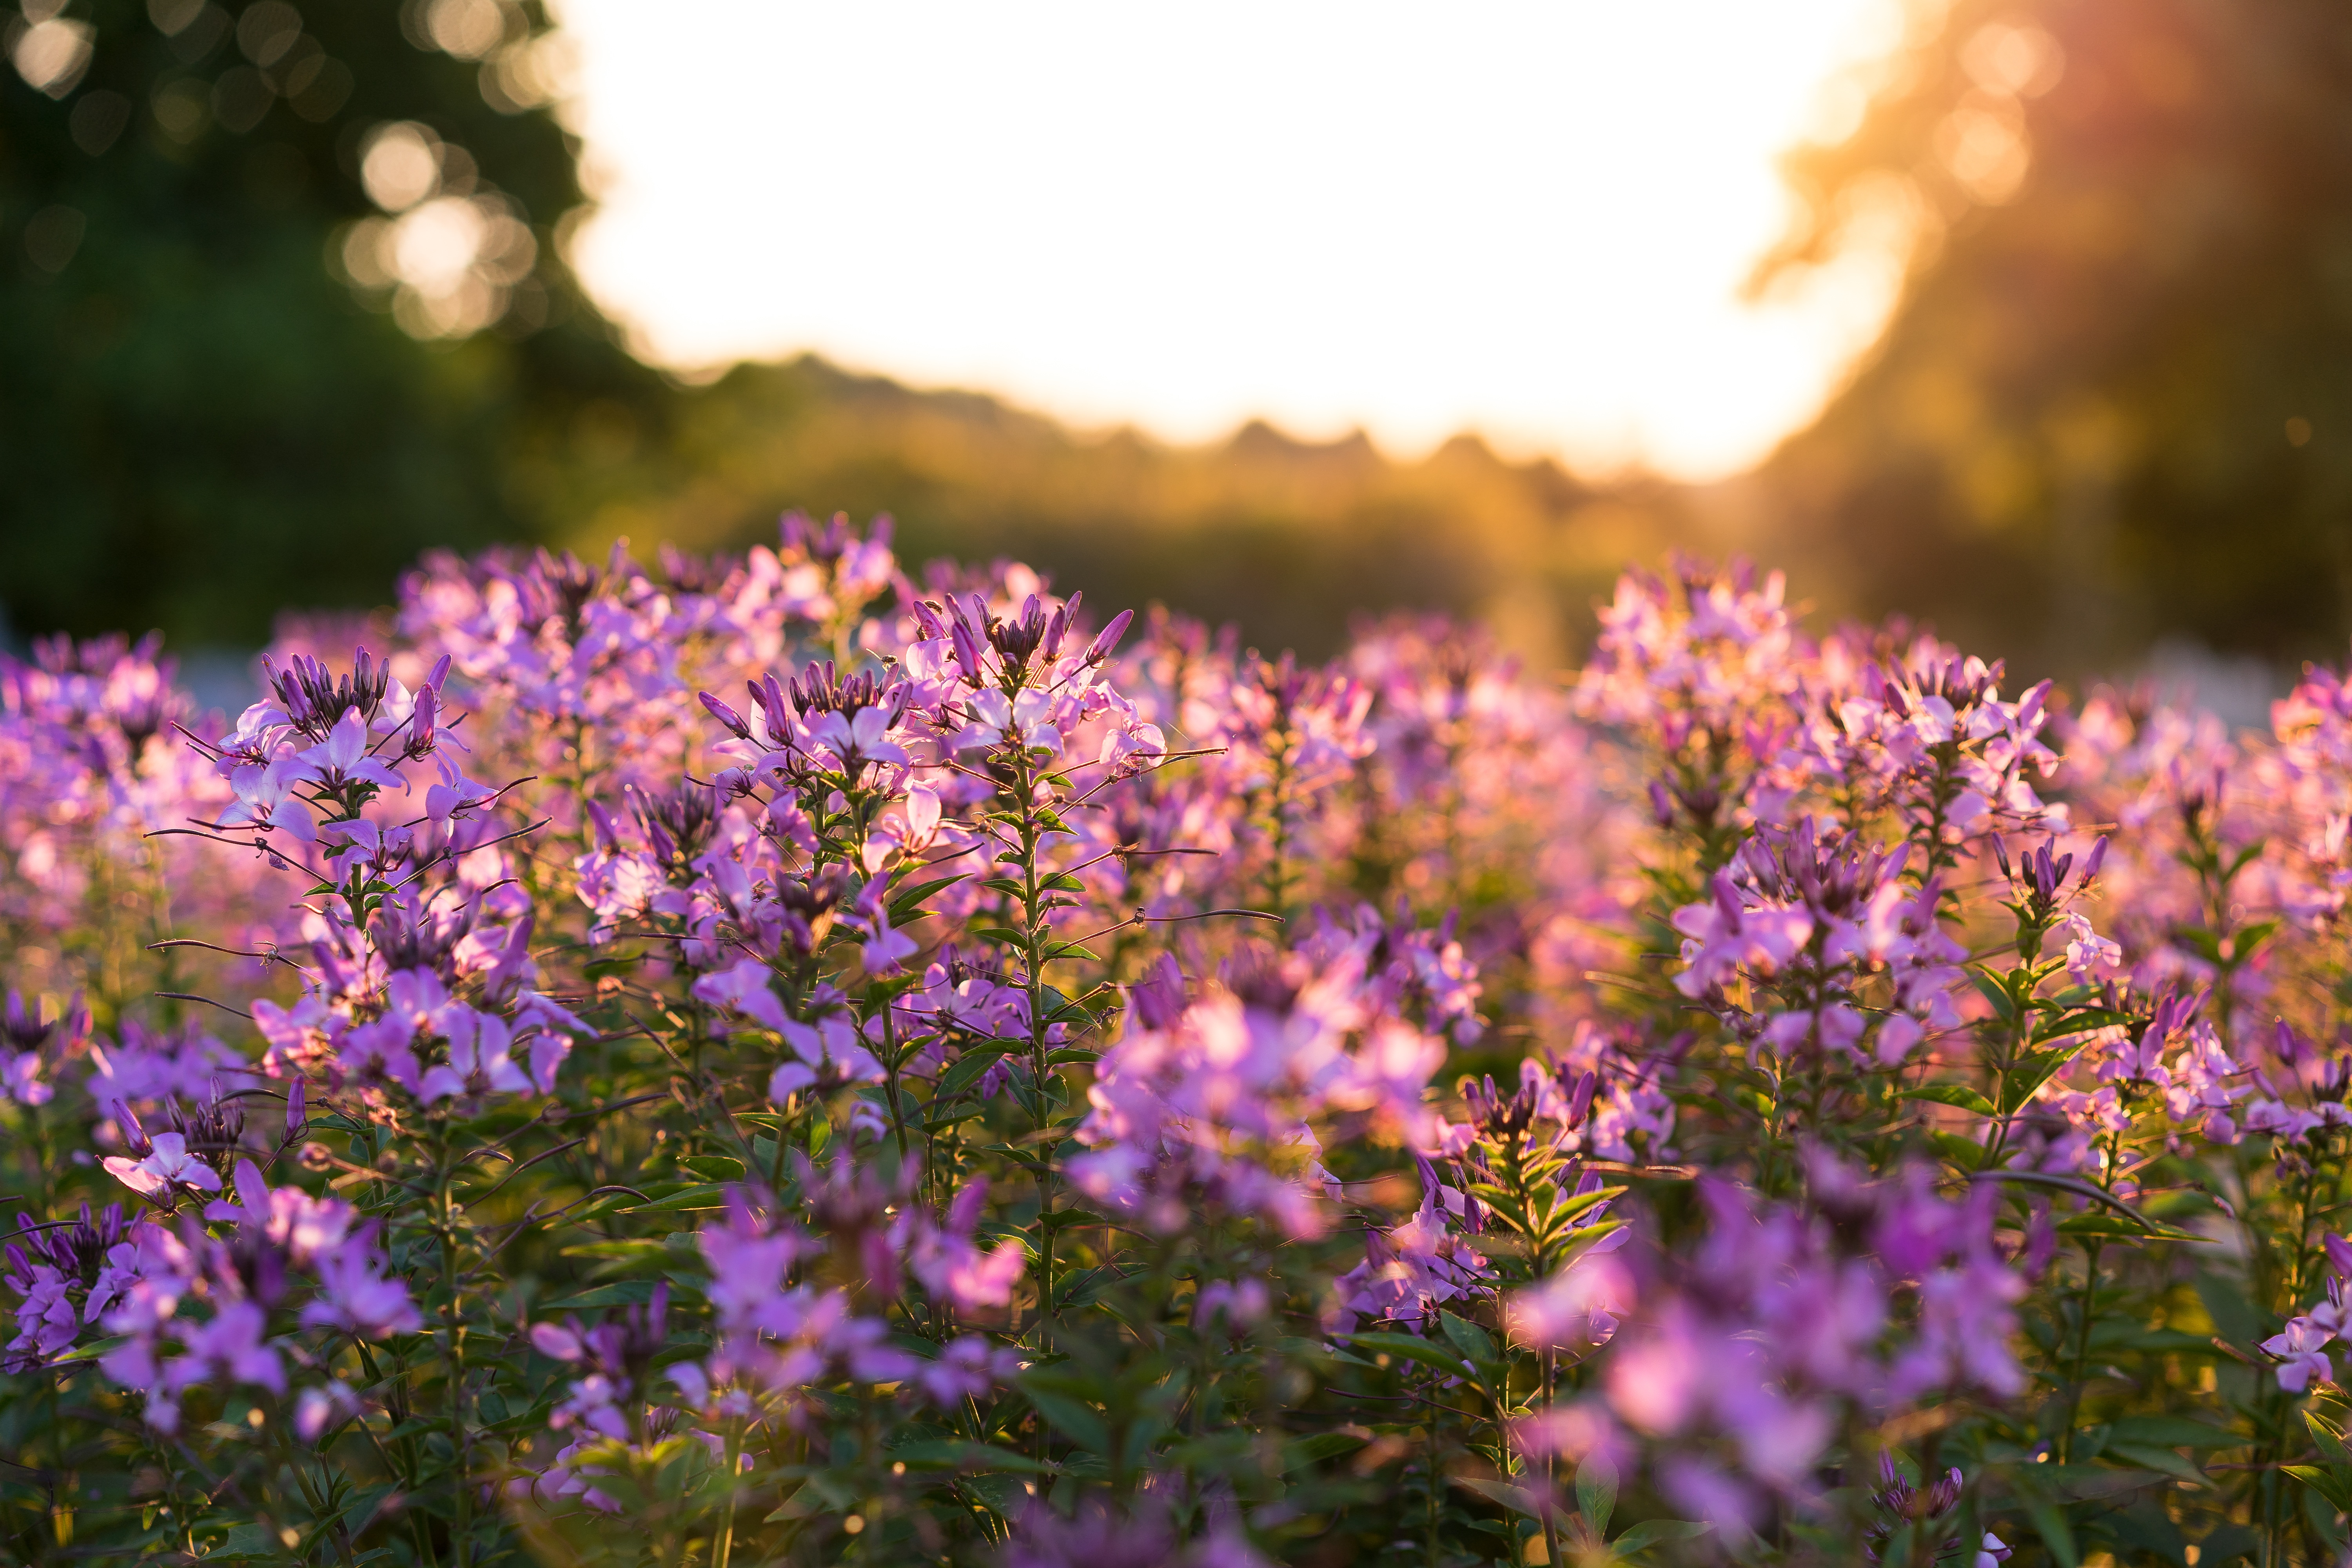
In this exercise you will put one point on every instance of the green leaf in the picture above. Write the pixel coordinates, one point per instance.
(2328, 1483)
(1519, 1500)
(714, 1167)
(639, 1249)
(1596, 1491)
(244, 1542)
(1301, 1452)
(910, 895)
(1073, 1418)
(1994, 990)
(1005, 1495)
(2172, 1432)
(1411, 1348)
(2229, 1541)
(967, 1069)
(1004, 935)
(2329, 1437)
(92, 1350)
(2029, 1072)
(956, 1454)
(1650, 1533)
(2156, 1459)
(1964, 1152)
(700, 1195)
(2077, 1021)
(1468, 1338)
(625, 1293)
(1958, 1094)
(2079, 1483)
(2051, 1525)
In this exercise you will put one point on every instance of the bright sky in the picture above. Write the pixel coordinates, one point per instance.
(1526, 219)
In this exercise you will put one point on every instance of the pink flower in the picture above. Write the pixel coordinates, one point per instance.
(354, 1296)
(230, 1347)
(166, 1164)
(954, 1269)
(2303, 1360)
(1577, 1308)
(2090, 957)
(967, 1368)
(342, 757)
(745, 989)
(1026, 721)
(1723, 935)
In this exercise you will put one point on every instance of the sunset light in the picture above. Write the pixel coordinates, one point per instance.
(1528, 220)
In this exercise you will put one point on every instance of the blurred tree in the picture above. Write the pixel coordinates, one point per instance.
(2114, 401)
(1290, 539)
(279, 302)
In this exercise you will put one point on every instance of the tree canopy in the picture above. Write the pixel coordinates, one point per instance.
(279, 301)
(2114, 404)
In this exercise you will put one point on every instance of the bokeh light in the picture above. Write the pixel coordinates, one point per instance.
(449, 256)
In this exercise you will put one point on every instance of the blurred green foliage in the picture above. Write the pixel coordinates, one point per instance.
(2114, 404)
(1291, 539)
(199, 422)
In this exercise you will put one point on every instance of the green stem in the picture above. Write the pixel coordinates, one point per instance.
(454, 1355)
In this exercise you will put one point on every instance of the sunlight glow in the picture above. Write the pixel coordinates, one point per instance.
(1529, 220)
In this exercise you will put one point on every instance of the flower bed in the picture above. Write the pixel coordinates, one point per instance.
(770, 1061)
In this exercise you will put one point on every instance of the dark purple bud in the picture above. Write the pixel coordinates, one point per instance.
(1580, 1100)
(2287, 1044)
(608, 836)
(1726, 898)
(727, 716)
(1051, 648)
(770, 698)
(2041, 1244)
(1662, 805)
(967, 652)
(295, 1118)
(1108, 638)
(420, 729)
(133, 1135)
(2339, 1255)
(2098, 857)
(440, 672)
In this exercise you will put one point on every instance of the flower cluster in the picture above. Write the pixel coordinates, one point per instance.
(787, 1058)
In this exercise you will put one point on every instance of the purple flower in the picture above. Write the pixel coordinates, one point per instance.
(229, 1347)
(968, 1367)
(954, 1269)
(343, 757)
(167, 1164)
(744, 989)
(354, 1296)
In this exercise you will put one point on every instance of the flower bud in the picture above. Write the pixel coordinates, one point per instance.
(1108, 638)
(727, 716)
(420, 729)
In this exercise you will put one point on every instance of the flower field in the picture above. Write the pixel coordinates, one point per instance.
(790, 1060)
